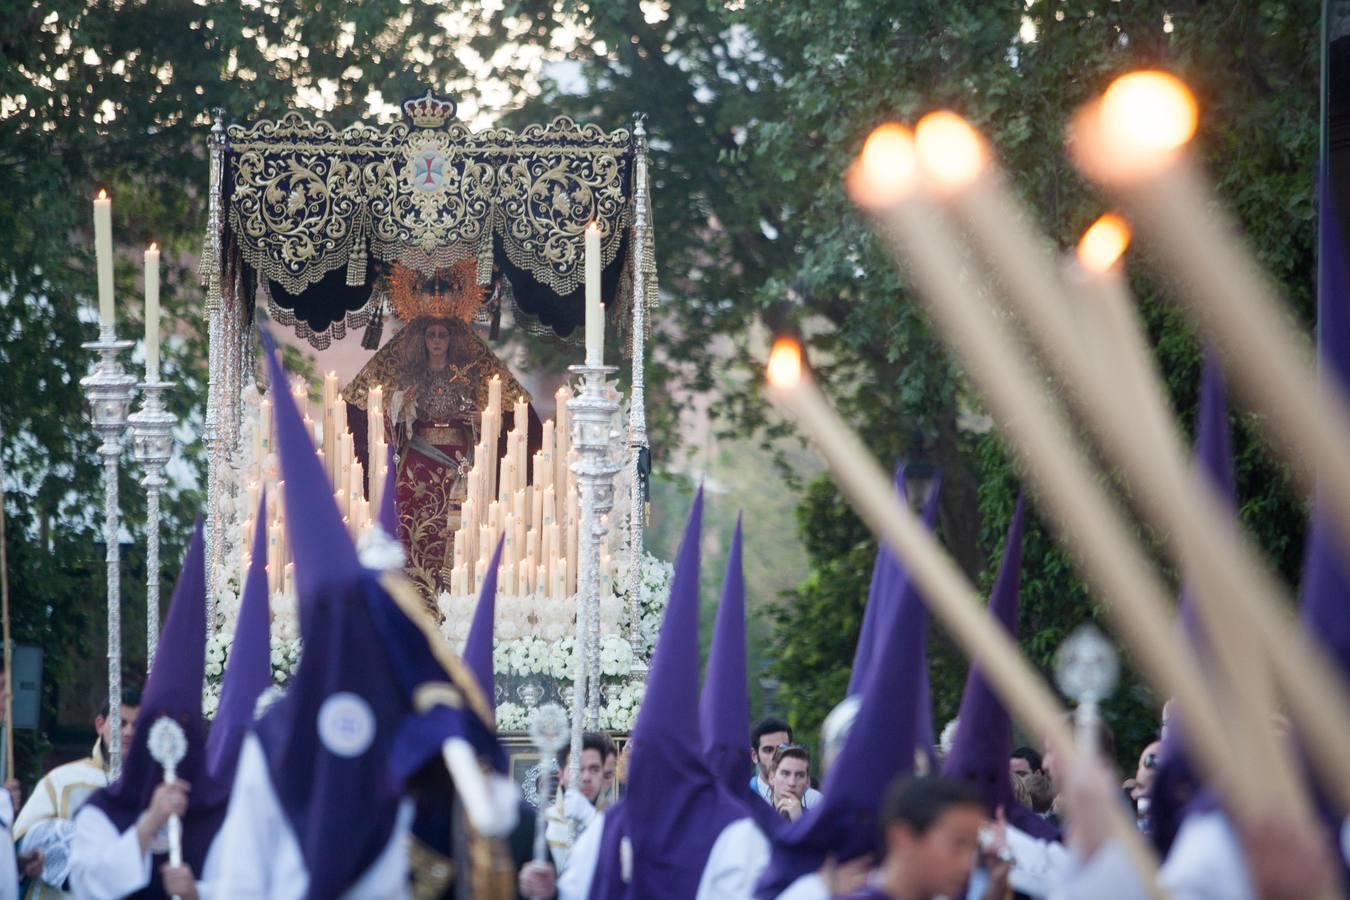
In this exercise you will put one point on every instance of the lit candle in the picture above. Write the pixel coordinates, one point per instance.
(104, 252)
(300, 391)
(152, 313)
(595, 311)
(495, 394)
(1133, 141)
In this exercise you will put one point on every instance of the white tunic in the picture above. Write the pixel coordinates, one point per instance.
(738, 856)
(106, 864)
(1038, 865)
(260, 853)
(9, 867)
(1206, 863)
(45, 822)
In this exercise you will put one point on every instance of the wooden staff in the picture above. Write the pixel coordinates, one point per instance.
(1133, 142)
(4, 622)
(884, 180)
(1242, 604)
(945, 589)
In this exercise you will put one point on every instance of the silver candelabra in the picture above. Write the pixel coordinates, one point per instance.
(594, 438)
(644, 286)
(152, 430)
(109, 393)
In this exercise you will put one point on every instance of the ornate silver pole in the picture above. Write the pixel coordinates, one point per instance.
(109, 393)
(644, 278)
(217, 380)
(152, 438)
(593, 436)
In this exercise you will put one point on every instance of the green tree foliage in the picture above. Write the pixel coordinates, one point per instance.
(756, 109)
(118, 96)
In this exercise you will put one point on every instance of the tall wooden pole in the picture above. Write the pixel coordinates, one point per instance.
(4, 621)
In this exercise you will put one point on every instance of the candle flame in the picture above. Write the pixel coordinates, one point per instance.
(102, 194)
(593, 225)
(1136, 129)
(884, 172)
(950, 150)
(1103, 244)
(1150, 110)
(785, 363)
(154, 247)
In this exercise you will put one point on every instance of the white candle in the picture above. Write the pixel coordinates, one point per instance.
(104, 252)
(330, 443)
(495, 394)
(595, 311)
(152, 313)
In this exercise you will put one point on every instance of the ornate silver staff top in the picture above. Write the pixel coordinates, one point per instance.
(168, 745)
(550, 731)
(1086, 669)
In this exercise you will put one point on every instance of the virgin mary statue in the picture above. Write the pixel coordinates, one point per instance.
(434, 374)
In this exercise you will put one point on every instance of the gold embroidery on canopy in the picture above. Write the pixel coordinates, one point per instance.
(304, 198)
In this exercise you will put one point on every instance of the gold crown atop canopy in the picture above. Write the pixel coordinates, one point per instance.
(451, 293)
(429, 111)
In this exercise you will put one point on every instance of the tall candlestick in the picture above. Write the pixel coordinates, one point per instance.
(595, 311)
(104, 253)
(152, 313)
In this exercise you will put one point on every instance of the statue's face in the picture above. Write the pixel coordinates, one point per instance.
(437, 338)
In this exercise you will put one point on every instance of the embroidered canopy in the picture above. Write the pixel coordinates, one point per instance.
(320, 213)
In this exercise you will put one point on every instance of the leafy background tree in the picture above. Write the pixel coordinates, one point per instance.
(754, 108)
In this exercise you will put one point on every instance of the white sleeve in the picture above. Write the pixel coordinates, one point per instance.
(1038, 865)
(41, 805)
(575, 881)
(808, 887)
(104, 864)
(9, 866)
(1205, 863)
(1107, 873)
(738, 857)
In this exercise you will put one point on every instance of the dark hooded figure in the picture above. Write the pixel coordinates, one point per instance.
(321, 805)
(120, 835)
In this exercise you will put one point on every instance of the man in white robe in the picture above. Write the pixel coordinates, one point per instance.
(46, 821)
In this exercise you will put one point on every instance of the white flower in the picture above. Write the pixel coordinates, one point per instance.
(616, 656)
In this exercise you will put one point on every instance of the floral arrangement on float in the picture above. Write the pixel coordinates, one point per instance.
(535, 647)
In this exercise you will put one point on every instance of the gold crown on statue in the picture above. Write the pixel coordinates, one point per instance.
(429, 111)
(452, 293)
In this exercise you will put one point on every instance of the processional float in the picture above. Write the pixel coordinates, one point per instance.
(324, 230)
